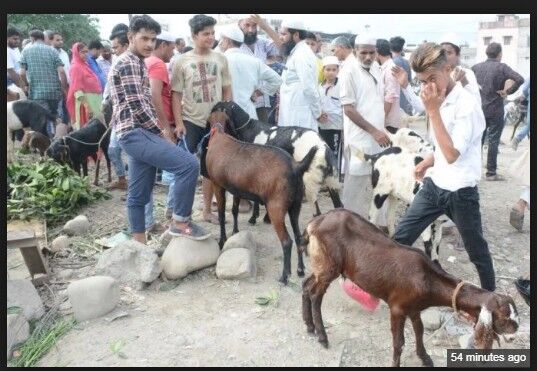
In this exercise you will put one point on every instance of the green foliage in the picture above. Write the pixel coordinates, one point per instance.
(47, 190)
(73, 27)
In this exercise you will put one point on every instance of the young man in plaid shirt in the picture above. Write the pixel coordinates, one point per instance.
(149, 142)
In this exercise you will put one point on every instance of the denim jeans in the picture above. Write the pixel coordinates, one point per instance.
(461, 206)
(114, 152)
(494, 132)
(168, 178)
(523, 132)
(147, 151)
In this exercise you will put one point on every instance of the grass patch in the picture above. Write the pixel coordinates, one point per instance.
(43, 338)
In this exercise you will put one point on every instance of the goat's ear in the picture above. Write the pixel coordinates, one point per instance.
(391, 129)
(484, 334)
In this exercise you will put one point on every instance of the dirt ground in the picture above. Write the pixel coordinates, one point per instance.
(204, 321)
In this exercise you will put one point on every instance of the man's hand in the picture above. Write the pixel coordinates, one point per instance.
(256, 18)
(460, 75)
(382, 138)
(400, 74)
(257, 93)
(168, 135)
(323, 119)
(420, 169)
(180, 130)
(431, 97)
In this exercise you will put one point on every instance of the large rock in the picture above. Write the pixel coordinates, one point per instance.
(130, 262)
(22, 293)
(236, 264)
(60, 243)
(431, 318)
(77, 226)
(243, 239)
(93, 297)
(184, 255)
(18, 331)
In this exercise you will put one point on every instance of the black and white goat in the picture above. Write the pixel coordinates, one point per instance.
(26, 114)
(392, 178)
(294, 140)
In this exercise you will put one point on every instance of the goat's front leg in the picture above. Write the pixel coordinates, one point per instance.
(220, 194)
(397, 318)
(255, 214)
(420, 348)
(306, 304)
(235, 213)
(294, 213)
(85, 166)
(317, 209)
(336, 200)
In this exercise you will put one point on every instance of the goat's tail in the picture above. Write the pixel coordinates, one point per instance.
(304, 165)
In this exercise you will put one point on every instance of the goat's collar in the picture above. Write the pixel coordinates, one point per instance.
(243, 125)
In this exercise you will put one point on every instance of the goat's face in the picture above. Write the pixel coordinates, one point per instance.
(59, 152)
(219, 117)
(497, 316)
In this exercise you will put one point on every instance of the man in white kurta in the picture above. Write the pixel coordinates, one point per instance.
(300, 101)
(363, 124)
(248, 73)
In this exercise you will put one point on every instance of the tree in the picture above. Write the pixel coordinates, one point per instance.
(73, 27)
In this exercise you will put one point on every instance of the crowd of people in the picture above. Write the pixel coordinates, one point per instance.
(163, 92)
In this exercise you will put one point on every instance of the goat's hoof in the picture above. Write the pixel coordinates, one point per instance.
(235, 231)
(266, 220)
(427, 361)
(283, 279)
(252, 221)
(324, 342)
(300, 272)
(310, 329)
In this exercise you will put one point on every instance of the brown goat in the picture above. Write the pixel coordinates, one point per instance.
(258, 173)
(34, 140)
(341, 242)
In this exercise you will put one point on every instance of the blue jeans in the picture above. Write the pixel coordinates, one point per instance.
(114, 152)
(147, 151)
(168, 178)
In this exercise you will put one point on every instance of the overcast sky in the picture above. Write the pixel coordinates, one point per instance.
(413, 27)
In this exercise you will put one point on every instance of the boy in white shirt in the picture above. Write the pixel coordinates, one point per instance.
(457, 124)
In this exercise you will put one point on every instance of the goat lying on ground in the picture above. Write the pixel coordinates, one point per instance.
(241, 168)
(393, 179)
(34, 141)
(26, 114)
(341, 242)
(294, 140)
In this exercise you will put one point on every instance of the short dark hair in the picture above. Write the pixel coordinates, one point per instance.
(54, 33)
(199, 22)
(37, 35)
(383, 47)
(235, 43)
(122, 39)
(456, 47)
(118, 29)
(179, 39)
(310, 35)
(159, 42)
(95, 44)
(396, 44)
(302, 34)
(144, 21)
(493, 50)
(13, 31)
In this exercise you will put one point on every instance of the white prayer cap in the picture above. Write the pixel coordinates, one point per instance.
(365, 39)
(331, 59)
(166, 36)
(232, 32)
(295, 25)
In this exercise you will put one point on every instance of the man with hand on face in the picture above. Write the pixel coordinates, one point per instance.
(363, 122)
(140, 135)
(457, 124)
(300, 102)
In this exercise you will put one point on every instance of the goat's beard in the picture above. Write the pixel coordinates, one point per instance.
(287, 47)
(250, 37)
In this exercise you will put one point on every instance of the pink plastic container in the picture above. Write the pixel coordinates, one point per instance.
(366, 300)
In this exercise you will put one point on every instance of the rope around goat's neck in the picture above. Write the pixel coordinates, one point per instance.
(454, 296)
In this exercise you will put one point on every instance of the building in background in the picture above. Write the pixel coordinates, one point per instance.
(513, 33)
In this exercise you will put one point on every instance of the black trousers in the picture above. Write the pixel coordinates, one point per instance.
(461, 206)
(333, 138)
(494, 132)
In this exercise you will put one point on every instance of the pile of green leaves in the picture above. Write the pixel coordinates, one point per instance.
(47, 190)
